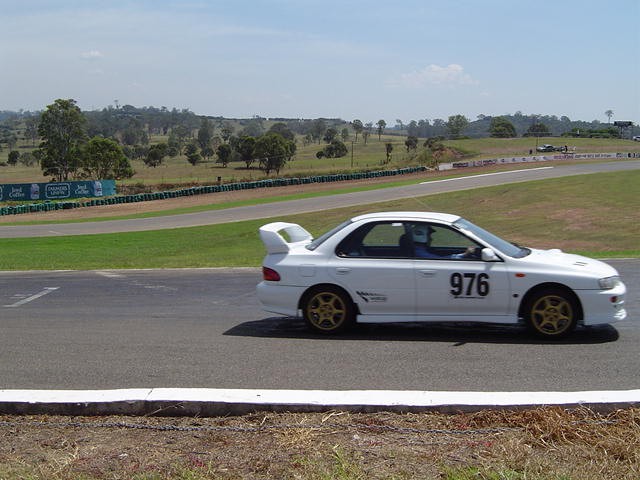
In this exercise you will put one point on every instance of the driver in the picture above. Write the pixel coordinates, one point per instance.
(421, 235)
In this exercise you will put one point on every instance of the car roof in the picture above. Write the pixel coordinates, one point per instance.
(417, 216)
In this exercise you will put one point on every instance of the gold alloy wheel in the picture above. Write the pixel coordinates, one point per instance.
(552, 315)
(327, 311)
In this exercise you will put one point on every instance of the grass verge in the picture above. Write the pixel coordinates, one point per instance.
(538, 444)
(593, 214)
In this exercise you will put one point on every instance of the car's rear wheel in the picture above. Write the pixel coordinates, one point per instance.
(551, 313)
(328, 309)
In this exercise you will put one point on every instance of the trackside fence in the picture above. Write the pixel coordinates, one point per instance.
(199, 190)
(535, 158)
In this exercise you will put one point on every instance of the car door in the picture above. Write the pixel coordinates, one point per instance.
(456, 283)
(376, 269)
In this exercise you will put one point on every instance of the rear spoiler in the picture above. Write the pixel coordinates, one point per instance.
(275, 242)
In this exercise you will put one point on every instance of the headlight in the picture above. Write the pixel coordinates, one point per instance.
(609, 282)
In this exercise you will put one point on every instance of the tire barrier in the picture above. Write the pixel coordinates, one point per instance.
(200, 190)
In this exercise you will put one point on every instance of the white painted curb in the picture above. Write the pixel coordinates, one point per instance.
(214, 402)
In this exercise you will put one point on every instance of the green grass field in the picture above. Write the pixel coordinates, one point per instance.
(593, 214)
(365, 157)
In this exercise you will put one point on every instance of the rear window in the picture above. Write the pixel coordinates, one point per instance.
(322, 238)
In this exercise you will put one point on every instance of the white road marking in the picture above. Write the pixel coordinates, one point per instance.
(221, 401)
(486, 175)
(109, 274)
(44, 292)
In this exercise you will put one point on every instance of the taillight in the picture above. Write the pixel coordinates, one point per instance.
(270, 275)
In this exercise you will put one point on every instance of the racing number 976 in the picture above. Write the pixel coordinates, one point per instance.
(469, 284)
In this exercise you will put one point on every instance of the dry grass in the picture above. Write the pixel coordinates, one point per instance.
(544, 443)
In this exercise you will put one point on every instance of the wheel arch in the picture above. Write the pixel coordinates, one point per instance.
(319, 286)
(533, 291)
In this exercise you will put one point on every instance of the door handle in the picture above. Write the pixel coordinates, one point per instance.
(343, 270)
(428, 273)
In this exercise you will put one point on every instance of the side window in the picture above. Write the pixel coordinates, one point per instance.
(384, 235)
(439, 242)
(444, 237)
(380, 240)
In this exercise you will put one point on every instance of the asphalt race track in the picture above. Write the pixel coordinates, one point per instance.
(204, 328)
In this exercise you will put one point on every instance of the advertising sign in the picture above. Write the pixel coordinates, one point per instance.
(22, 192)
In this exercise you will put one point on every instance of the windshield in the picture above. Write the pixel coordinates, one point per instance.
(492, 240)
(318, 241)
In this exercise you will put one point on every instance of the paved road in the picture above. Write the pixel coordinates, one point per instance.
(204, 328)
(313, 204)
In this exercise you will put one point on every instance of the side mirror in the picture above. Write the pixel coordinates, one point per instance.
(489, 255)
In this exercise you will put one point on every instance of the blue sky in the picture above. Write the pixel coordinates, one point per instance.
(407, 60)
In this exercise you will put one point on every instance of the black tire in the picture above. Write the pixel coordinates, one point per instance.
(327, 309)
(551, 313)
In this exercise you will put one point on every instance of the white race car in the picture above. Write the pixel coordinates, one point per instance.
(430, 267)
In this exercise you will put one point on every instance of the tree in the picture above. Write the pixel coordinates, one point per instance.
(357, 127)
(273, 152)
(208, 152)
(103, 159)
(330, 134)
(411, 142)
(182, 133)
(367, 131)
(31, 129)
(14, 156)
(381, 126)
(318, 129)
(538, 129)
(434, 145)
(282, 129)
(227, 131)
(456, 125)
(28, 159)
(12, 141)
(62, 130)
(502, 128)
(335, 149)
(307, 140)
(134, 133)
(246, 147)
(413, 129)
(192, 153)
(224, 154)
(173, 142)
(205, 133)
(254, 128)
(155, 155)
(388, 149)
(609, 114)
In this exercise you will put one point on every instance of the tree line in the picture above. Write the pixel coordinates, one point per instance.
(515, 125)
(100, 144)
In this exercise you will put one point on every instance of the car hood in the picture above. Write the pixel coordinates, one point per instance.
(567, 261)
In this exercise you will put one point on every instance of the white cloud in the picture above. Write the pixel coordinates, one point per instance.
(452, 74)
(91, 55)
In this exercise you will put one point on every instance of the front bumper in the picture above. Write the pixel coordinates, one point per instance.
(603, 306)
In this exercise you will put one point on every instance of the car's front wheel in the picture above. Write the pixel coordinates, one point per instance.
(328, 309)
(551, 313)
